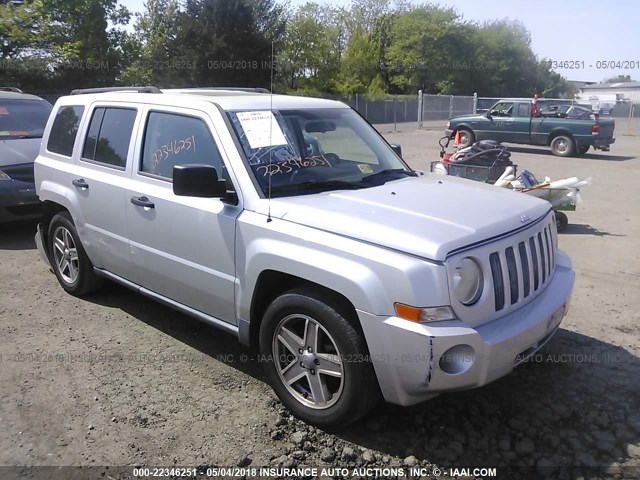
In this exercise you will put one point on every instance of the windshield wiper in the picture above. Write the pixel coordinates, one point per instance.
(392, 173)
(317, 186)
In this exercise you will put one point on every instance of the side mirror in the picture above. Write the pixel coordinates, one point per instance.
(397, 148)
(493, 113)
(198, 181)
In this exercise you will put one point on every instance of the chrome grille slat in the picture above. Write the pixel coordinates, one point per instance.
(505, 279)
(543, 259)
(522, 269)
(535, 262)
(514, 290)
(498, 283)
(526, 271)
(549, 249)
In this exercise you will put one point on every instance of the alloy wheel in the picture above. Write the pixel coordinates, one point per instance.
(65, 255)
(308, 361)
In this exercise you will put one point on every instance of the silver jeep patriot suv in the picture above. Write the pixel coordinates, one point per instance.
(292, 224)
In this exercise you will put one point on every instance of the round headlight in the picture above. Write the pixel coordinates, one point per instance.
(467, 281)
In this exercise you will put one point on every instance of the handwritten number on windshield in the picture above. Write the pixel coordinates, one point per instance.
(287, 166)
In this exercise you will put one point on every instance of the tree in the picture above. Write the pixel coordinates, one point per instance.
(154, 46)
(358, 65)
(419, 53)
(619, 79)
(19, 27)
(20, 44)
(310, 56)
(83, 50)
(226, 43)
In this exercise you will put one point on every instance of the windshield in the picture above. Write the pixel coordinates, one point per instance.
(20, 118)
(298, 152)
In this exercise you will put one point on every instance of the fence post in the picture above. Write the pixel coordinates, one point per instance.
(395, 117)
(419, 108)
(450, 106)
(475, 102)
(357, 101)
(630, 117)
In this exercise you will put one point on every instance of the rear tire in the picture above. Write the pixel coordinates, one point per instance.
(563, 146)
(316, 359)
(69, 260)
(582, 149)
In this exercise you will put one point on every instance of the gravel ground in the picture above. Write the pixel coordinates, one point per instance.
(116, 379)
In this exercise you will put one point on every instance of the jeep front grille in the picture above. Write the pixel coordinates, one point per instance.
(522, 269)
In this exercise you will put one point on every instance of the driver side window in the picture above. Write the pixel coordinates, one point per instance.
(172, 139)
(503, 109)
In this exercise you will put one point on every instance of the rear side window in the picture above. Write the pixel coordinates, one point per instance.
(524, 110)
(172, 139)
(109, 136)
(64, 130)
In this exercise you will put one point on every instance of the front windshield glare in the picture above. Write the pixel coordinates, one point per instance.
(296, 152)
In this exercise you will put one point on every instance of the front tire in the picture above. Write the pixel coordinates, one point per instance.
(316, 359)
(563, 146)
(69, 260)
(467, 138)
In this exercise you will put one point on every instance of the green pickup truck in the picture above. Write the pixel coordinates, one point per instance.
(567, 129)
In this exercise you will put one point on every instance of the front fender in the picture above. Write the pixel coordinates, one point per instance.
(373, 278)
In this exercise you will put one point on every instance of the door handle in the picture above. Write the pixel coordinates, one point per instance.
(142, 202)
(80, 183)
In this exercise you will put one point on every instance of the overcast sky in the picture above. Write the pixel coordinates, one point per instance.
(591, 33)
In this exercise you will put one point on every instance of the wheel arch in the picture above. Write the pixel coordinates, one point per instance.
(461, 126)
(49, 210)
(273, 283)
(558, 132)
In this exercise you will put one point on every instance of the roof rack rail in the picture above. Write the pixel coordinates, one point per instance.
(148, 89)
(10, 89)
(233, 89)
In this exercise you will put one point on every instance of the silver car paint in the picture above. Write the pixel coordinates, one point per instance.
(377, 246)
(426, 216)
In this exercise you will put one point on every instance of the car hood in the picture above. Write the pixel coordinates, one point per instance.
(19, 150)
(427, 216)
(465, 116)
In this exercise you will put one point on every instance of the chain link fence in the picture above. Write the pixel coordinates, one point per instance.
(430, 111)
(392, 109)
(443, 107)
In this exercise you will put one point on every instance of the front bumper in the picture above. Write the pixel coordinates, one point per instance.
(448, 132)
(18, 201)
(410, 359)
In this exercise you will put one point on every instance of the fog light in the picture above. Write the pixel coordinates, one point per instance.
(457, 359)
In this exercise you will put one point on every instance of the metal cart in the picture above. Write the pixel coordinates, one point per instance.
(561, 199)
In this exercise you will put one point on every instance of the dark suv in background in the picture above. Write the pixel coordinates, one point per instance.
(22, 121)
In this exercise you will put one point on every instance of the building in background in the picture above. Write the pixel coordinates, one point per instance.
(607, 97)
